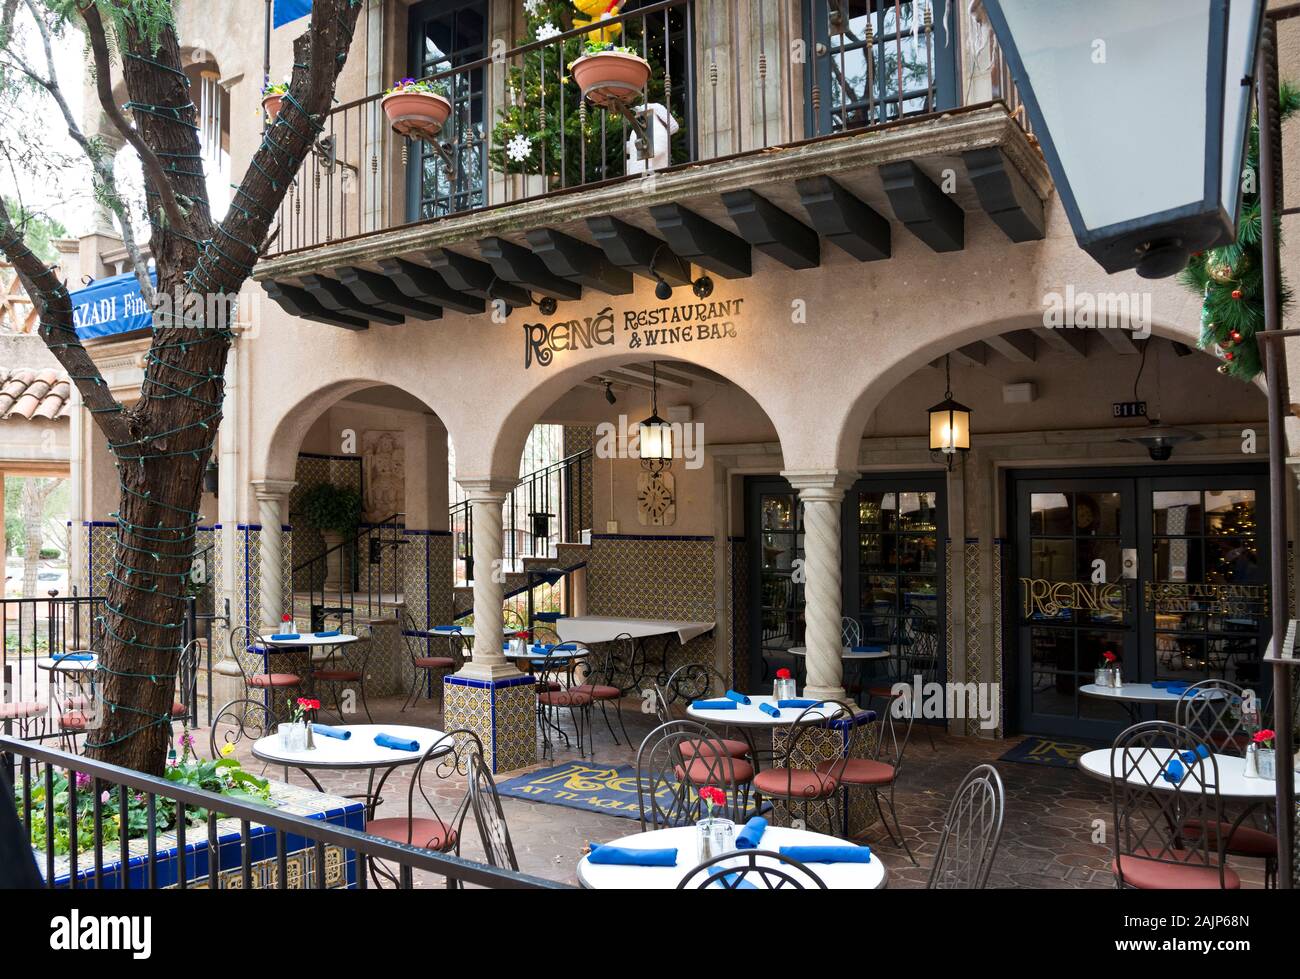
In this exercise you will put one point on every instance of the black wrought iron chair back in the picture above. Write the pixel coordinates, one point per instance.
(1165, 784)
(921, 653)
(187, 683)
(239, 721)
(435, 829)
(558, 692)
(485, 802)
(247, 647)
(1221, 713)
(971, 832)
(432, 654)
(674, 761)
(624, 661)
(694, 681)
(597, 675)
(800, 773)
(752, 868)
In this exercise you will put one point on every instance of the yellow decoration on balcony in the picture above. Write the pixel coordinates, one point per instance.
(595, 10)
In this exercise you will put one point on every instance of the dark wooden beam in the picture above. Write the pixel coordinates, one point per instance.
(301, 303)
(1018, 346)
(1005, 194)
(338, 298)
(381, 292)
(476, 278)
(517, 264)
(571, 258)
(844, 220)
(772, 231)
(703, 242)
(419, 282)
(628, 247)
(924, 209)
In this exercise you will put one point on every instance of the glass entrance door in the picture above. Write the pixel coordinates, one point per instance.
(774, 530)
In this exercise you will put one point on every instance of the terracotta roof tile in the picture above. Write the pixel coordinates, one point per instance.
(27, 393)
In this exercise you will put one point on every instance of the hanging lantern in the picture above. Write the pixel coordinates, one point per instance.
(654, 435)
(949, 423)
(1098, 80)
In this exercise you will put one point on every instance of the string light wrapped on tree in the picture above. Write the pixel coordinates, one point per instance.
(1230, 279)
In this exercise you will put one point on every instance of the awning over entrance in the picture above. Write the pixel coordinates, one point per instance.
(110, 306)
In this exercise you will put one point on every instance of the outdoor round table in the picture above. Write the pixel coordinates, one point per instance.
(837, 876)
(1133, 695)
(357, 753)
(1233, 783)
(750, 720)
(78, 671)
(315, 647)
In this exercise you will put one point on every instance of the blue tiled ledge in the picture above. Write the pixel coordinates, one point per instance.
(501, 684)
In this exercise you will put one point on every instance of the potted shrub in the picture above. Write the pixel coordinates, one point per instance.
(334, 511)
(608, 73)
(273, 97)
(417, 108)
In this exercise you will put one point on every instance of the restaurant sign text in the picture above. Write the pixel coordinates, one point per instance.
(1050, 598)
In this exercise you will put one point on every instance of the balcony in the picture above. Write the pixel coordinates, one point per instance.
(774, 128)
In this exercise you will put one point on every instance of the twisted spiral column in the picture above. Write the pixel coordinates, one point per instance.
(823, 609)
(489, 583)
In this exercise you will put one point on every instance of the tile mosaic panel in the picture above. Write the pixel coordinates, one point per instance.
(998, 652)
(502, 713)
(974, 623)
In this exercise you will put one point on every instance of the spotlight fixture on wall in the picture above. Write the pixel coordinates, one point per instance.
(949, 422)
(547, 305)
(211, 478)
(654, 435)
(609, 392)
(702, 287)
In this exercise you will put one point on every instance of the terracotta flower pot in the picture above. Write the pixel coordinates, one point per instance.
(610, 76)
(271, 106)
(419, 115)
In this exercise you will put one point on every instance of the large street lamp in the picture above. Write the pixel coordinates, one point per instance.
(1142, 110)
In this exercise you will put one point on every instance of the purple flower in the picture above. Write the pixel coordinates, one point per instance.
(83, 780)
(104, 796)
(186, 740)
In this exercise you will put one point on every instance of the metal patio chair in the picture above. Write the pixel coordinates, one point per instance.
(485, 803)
(674, 762)
(428, 662)
(732, 871)
(971, 832)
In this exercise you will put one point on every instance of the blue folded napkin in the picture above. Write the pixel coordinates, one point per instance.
(828, 854)
(867, 649)
(748, 838)
(328, 633)
(286, 635)
(739, 698)
(1173, 771)
(714, 705)
(332, 732)
(798, 702)
(769, 709)
(399, 744)
(1161, 684)
(626, 856)
(1190, 756)
(74, 657)
(447, 628)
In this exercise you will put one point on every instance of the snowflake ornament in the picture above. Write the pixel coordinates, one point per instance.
(519, 148)
(547, 31)
(530, 7)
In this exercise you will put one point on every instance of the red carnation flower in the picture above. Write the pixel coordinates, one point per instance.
(783, 674)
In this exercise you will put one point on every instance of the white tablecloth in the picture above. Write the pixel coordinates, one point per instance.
(1233, 783)
(604, 628)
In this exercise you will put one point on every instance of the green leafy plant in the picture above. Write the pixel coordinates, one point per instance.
(331, 508)
(275, 88)
(605, 47)
(420, 86)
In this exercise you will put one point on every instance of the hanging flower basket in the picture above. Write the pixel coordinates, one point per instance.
(416, 109)
(273, 97)
(610, 76)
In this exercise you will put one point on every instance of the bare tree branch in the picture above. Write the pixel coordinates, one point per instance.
(153, 167)
(50, 296)
(100, 162)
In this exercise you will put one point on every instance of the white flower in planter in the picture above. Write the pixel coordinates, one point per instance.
(547, 31)
(519, 148)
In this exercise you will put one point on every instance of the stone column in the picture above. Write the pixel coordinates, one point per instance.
(821, 493)
(488, 695)
(272, 506)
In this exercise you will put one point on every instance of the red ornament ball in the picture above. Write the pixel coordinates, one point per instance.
(1236, 337)
(1229, 356)
(1236, 293)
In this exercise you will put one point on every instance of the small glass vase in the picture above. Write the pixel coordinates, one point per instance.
(293, 736)
(714, 837)
(783, 689)
(1266, 761)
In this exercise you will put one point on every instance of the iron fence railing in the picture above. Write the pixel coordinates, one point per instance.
(31, 768)
(724, 82)
(34, 628)
(357, 577)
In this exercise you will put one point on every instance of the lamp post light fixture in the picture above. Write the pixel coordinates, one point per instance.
(949, 423)
(654, 435)
(1143, 112)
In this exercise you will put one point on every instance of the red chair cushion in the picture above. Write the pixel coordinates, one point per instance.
(730, 746)
(434, 662)
(794, 783)
(1245, 842)
(274, 680)
(179, 709)
(21, 709)
(858, 771)
(706, 771)
(339, 676)
(1192, 873)
(883, 691)
(599, 691)
(564, 698)
(425, 832)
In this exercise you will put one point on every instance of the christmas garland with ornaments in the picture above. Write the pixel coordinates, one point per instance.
(1230, 279)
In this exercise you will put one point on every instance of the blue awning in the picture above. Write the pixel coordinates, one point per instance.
(290, 10)
(110, 306)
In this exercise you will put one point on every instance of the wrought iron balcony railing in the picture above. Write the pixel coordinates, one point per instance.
(747, 77)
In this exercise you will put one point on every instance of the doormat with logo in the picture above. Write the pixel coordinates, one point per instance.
(580, 785)
(1035, 750)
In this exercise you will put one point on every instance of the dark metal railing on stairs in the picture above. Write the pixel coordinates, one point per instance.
(357, 577)
(549, 506)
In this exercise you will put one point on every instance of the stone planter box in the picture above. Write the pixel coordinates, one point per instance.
(340, 865)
